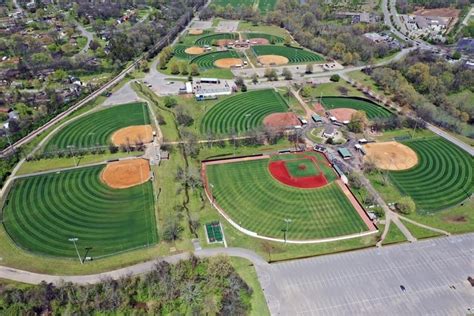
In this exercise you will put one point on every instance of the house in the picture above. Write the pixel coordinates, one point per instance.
(329, 131)
(345, 153)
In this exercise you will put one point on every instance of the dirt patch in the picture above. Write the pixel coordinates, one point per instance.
(194, 50)
(133, 135)
(281, 121)
(444, 12)
(390, 156)
(224, 42)
(272, 60)
(195, 31)
(227, 62)
(259, 41)
(456, 219)
(342, 114)
(318, 108)
(125, 174)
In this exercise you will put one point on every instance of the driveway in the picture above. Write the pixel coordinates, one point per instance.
(368, 282)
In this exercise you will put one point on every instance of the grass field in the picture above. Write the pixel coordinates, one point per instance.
(271, 38)
(179, 52)
(444, 176)
(206, 61)
(302, 168)
(95, 129)
(43, 212)
(371, 109)
(242, 112)
(294, 55)
(209, 39)
(251, 197)
(263, 5)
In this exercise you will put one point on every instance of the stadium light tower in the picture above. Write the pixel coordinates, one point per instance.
(74, 239)
(287, 221)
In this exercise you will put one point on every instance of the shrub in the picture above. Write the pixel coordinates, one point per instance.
(335, 78)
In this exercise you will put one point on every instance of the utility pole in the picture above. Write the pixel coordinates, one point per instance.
(287, 221)
(74, 239)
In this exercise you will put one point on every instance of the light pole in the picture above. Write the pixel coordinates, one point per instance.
(74, 239)
(212, 193)
(287, 221)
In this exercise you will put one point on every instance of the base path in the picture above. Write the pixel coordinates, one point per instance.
(126, 173)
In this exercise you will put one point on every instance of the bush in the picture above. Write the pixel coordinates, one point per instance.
(170, 102)
(405, 205)
(335, 78)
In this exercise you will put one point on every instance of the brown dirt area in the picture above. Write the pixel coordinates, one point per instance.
(319, 109)
(281, 120)
(390, 155)
(194, 50)
(444, 12)
(195, 31)
(133, 134)
(456, 219)
(342, 114)
(227, 62)
(224, 42)
(259, 41)
(272, 60)
(126, 173)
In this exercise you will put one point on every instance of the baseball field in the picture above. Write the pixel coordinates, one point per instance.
(210, 60)
(443, 177)
(270, 38)
(242, 112)
(43, 212)
(371, 109)
(254, 196)
(96, 129)
(294, 55)
(212, 38)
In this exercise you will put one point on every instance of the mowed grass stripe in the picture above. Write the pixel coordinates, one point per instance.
(250, 195)
(294, 55)
(271, 38)
(43, 212)
(242, 112)
(443, 177)
(370, 108)
(206, 61)
(209, 39)
(96, 128)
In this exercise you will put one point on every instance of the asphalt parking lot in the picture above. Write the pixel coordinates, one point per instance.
(368, 281)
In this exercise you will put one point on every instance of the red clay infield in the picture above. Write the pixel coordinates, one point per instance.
(281, 120)
(279, 171)
(319, 108)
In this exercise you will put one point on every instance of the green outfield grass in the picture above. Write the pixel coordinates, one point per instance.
(179, 52)
(43, 212)
(96, 128)
(269, 37)
(370, 108)
(206, 61)
(242, 112)
(209, 39)
(302, 167)
(294, 55)
(254, 199)
(293, 160)
(443, 177)
(266, 5)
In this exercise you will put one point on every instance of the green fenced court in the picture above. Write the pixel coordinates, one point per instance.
(43, 212)
(443, 177)
(370, 108)
(270, 38)
(242, 112)
(210, 39)
(214, 232)
(207, 61)
(294, 55)
(249, 194)
(96, 129)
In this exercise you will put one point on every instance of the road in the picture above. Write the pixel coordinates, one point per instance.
(451, 138)
(86, 34)
(365, 282)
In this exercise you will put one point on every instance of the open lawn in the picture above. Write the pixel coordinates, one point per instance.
(371, 109)
(95, 129)
(294, 55)
(43, 212)
(262, 28)
(262, 5)
(242, 112)
(254, 199)
(273, 39)
(444, 176)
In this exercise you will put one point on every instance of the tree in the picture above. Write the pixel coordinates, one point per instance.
(309, 69)
(287, 74)
(174, 68)
(405, 205)
(172, 230)
(271, 74)
(94, 45)
(170, 102)
(162, 61)
(335, 78)
(358, 122)
(288, 40)
(254, 78)
(239, 81)
(194, 70)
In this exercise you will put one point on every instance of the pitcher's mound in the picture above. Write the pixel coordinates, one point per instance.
(125, 174)
(272, 60)
(281, 121)
(342, 114)
(227, 62)
(133, 135)
(194, 50)
(390, 156)
(195, 32)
